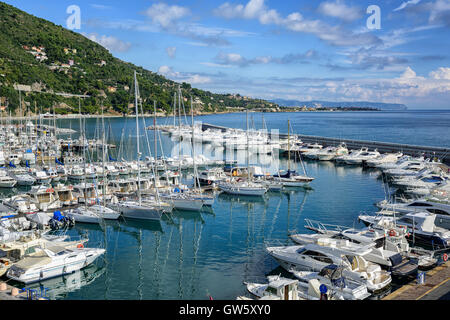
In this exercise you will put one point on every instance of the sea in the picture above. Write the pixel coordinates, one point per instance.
(210, 254)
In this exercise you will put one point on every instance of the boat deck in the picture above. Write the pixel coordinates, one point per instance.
(435, 287)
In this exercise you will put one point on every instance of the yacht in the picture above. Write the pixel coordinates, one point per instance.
(22, 203)
(44, 197)
(332, 277)
(431, 204)
(6, 181)
(331, 153)
(312, 257)
(384, 159)
(362, 157)
(421, 225)
(22, 177)
(52, 262)
(383, 251)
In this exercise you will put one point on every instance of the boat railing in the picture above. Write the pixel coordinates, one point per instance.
(323, 228)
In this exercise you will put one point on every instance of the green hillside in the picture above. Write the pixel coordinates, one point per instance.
(51, 59)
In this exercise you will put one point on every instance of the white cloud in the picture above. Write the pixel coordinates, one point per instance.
(171, 51)
(405, 4)
(183, 77)
(111, 43)
(256, 9)
(164, 15)
(440, 74)
(339, 10)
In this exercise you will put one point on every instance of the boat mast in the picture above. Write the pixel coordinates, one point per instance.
(156, 141)
(248, 167)
(289, 148)
(137, 136)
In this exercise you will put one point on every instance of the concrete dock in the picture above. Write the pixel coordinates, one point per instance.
(435, 287)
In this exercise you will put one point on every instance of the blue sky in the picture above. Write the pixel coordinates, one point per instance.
(303, 50)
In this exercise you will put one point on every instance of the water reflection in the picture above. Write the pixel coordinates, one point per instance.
(60, 287)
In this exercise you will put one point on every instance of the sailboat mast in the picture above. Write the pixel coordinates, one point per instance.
(248, 167)
(289, 147)
(137, 137)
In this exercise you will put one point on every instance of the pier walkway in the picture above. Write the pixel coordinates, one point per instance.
(435, 287)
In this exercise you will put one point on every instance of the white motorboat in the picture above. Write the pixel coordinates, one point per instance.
(384, 159)
(42, 177)
(243, 188)
(332, 277)
(422, 226)
(22, 178)
(330, 153)
(52, 262)
(44, 197)
(362, 157)
(312, 257)
(6, 181)
(22, 203)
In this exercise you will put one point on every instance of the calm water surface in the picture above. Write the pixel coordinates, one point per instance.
(210, 253)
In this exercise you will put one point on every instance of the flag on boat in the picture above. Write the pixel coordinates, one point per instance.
(11, 164)
(58, 162)
(112, 159)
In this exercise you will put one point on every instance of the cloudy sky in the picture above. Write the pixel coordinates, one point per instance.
(335, 50)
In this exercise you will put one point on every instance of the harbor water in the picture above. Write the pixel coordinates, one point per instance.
(211, 253)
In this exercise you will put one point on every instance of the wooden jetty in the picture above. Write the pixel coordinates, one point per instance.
(436, 285)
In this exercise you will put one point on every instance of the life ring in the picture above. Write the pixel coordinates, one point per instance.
(80, 245)
(392, 233)
(445, 257)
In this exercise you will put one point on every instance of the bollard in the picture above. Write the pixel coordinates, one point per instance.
(3, 286)
(14, 292)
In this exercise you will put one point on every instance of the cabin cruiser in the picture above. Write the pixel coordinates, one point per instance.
(384, 252)
(434, 205)
(22, 203)
(352, 154)
(279, 288)
(22, 177)
(42, 177)
(211, 177)
(51, 262)
(312, 257)
(6, 181)
(332, 277)
(44, 197)
(65, 195)
(308, 147)
(330, 153)
(76, 173)
(362, 157)
(13, 251)
(384, 159)
(421, 225)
